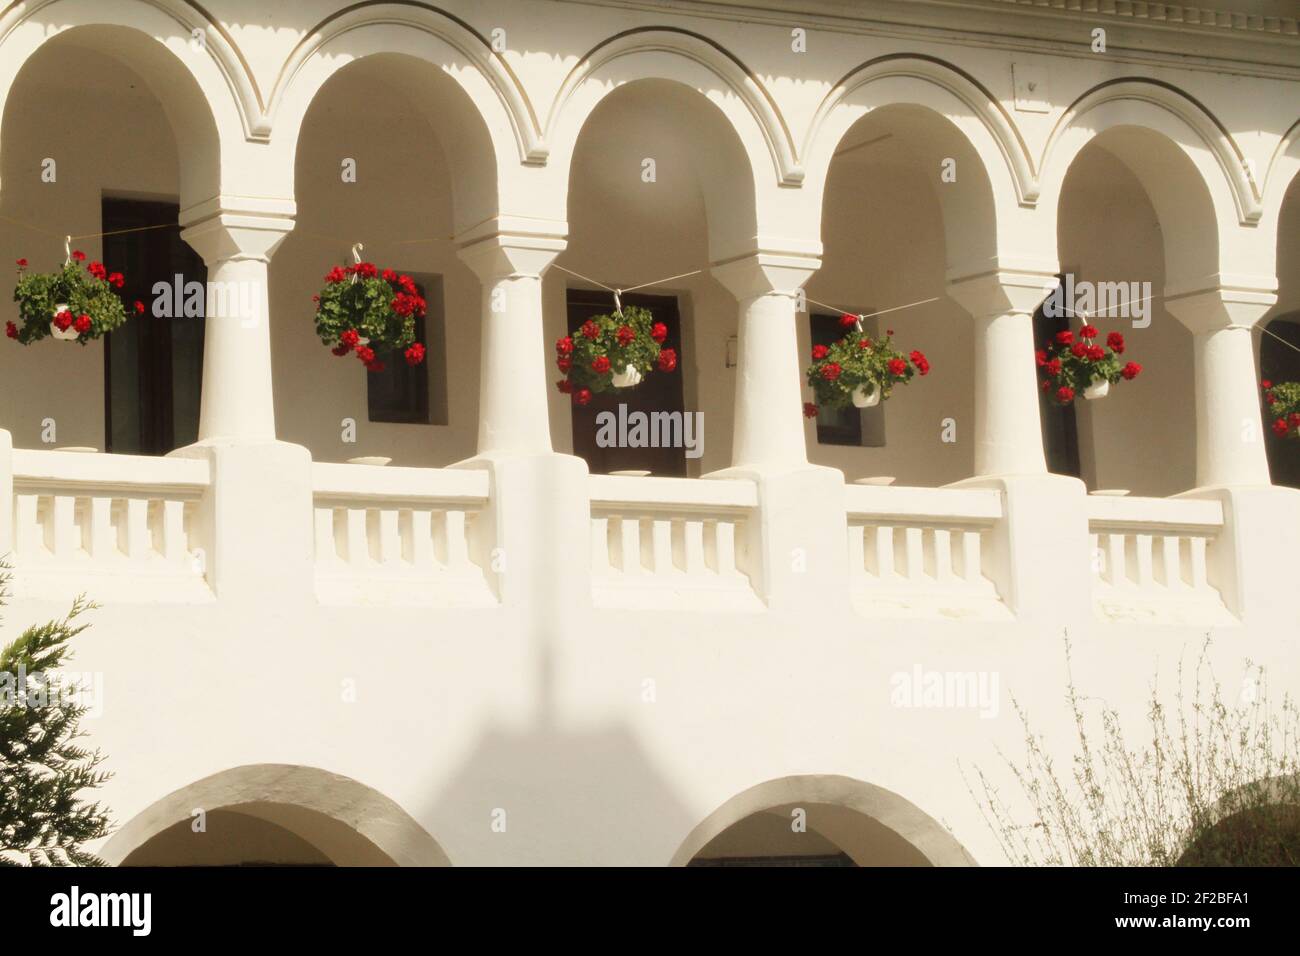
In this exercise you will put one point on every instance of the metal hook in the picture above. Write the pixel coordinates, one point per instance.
(618, 302)
(356, 253)
(67, 250)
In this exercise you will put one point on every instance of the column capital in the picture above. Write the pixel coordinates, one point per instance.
(1002, 291)
(251, 231)
(766, 273)
(1222, 307)
(501, 255)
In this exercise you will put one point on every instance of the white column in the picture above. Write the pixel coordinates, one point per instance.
(512, 414)
(768, 430)
(1008, 428)
(1229, 439)
(237, 402)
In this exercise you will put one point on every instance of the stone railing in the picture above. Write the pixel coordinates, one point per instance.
(922, 551)
(400, 535)
(118, 527)
(671, 542)
(1152, 559)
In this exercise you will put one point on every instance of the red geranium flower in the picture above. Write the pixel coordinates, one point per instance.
(1053, 368)
(1065, 337)
(78, 256)
(1266, 384)
(920, 361)
(897, 366)
(1271, 399)
(819, 352)
(809, 410)
(659, 332)
(564, 363)
(564, 385)
(831, 371)
(22, 263)
(864, 343)
(366, 354)
(590, 329)
(389, 275)
(1078, 350)
(582, 396)
(1041, 357)
(625, 335)
(847, 321)
(340, 349)
(1116, 342)
(350, 338)
(11, 330)
(667, 360)
(1280, 426)
(62, 321)
(1096, 353)
(139, 307)
(1131, 371)
(1088, 331)
(97, 270)
(564, 346)
(82, 324)
(415, 354)
(600, 364)
(116, 279)
(336, 275)
(1065, 395)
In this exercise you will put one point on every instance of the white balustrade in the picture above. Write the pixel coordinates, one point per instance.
(82, 519)
(921, 551)
(404, 535)
(671, 542)
(1151, 559)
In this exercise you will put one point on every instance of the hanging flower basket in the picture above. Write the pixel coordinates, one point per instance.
(857, 370)
(612, 351)
(1282, 404)
(73, 304)
(370, 312)
(1072, 364)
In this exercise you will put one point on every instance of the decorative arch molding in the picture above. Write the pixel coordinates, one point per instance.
(1191, 112)
(951, 80)
(926, 835)
(366, 813)
(1283, 167)
(186, 15)
(734, 74)
(424, 18)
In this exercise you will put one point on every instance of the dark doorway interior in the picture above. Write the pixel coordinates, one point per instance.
(1279, 361)
(1060, 427)
(153, 365)
(659, 392)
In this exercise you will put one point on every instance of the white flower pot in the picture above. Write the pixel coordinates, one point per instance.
(1098, 389)
(627, 378)
(67, 335)
(862, 398)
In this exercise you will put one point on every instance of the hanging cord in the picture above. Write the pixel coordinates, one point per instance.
(868, 315)
(618, 293)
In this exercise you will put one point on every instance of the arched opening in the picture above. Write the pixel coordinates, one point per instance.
(904, 186)
(135, 142)
(394, 155)
(1134, 219)
(659, 187)
(817, 820)
(272, 814)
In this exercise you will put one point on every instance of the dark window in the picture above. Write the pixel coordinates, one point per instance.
(658, 392)
(1280, 362)
(1060, 428)
(858, 427)
(401, 393)
(153, 365)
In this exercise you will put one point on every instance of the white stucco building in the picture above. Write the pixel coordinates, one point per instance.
(493, 652)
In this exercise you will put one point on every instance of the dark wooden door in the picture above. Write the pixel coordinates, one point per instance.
(153, 365)
(658, 392)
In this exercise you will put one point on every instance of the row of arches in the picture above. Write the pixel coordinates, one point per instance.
(280, 814)
(513, 150)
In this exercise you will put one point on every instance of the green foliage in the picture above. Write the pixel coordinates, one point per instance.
(1071, 363)
(360, 301)
(839, 369)
(607, 344)
(1216, 785)
(43, 771)
(39, 293)
(1282, 406)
